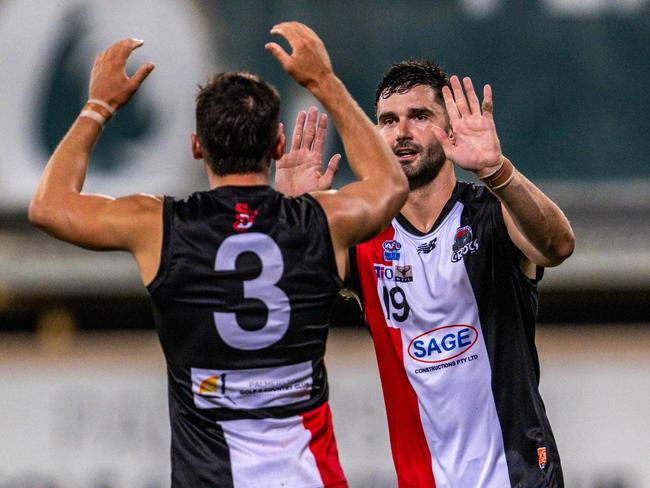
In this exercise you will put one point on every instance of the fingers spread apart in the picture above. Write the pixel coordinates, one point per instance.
(488, 108)
(462, 101)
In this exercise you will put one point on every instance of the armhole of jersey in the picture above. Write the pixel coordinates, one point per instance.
(514, 251)
(166, 251)
(329, 245)
(354, 283)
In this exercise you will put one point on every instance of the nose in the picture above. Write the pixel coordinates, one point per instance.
(403, 131)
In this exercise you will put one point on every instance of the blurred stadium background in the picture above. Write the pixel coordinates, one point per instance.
(82, 383)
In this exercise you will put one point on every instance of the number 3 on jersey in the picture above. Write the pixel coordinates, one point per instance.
(261, 288)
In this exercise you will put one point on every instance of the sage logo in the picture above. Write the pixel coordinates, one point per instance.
(443, 343)
(45, 64)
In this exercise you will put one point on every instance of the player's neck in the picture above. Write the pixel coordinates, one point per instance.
(424, 205)
(245, 179)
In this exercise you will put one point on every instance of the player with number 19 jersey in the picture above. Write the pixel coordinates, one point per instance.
(242, 301)
(452, 317)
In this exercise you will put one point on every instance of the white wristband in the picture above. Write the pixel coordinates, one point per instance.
(103, 104)
(91, 114)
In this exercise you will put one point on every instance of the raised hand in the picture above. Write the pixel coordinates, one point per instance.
(300, 170)
(309, 62)
(473, 144)
(109, 81)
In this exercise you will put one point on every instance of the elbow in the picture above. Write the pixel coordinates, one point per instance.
(36, 213)
(566, 244)
(562, 248)
(39, 214)
(567, 247)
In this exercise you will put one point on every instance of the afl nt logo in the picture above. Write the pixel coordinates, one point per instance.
(391, 250)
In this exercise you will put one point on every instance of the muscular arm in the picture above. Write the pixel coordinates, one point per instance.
(363, 208)
(535, 224)
(98, 222)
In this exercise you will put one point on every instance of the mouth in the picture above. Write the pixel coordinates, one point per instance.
(406, 154)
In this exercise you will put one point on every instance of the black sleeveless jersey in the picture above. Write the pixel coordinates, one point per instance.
(241, 304)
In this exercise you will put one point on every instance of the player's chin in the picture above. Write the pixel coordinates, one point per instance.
(411, 167)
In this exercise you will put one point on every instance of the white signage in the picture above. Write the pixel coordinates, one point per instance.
(46, 53)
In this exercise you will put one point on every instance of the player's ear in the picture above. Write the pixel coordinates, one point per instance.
(197, 150)
(278, 149)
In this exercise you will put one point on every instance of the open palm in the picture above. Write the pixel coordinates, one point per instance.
(473, 143)
(301, 169)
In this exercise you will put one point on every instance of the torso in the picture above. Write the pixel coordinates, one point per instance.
(452, 317)
(241, 304)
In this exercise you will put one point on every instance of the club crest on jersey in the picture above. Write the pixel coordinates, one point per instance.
(391, 250)
(541, 457)
(244, 217)
(427, 247)
(443, 343)
(464, 243)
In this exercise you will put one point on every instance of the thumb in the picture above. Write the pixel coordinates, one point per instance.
(441, 134)
(443, 138)
(142, 72)
(332, 168)
(280, 54)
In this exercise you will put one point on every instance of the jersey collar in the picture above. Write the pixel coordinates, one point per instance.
(455, 195)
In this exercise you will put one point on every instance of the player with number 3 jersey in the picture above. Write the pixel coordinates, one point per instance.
(241, 277)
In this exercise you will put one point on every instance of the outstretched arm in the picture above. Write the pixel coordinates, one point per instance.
(535, 224)
(95, 221)
(300, 170)
(361, 209)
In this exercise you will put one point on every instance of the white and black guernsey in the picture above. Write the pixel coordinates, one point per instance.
(452, 317)
(241, 304)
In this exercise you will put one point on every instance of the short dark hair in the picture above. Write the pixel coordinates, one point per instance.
(412, 72)
(237, 116)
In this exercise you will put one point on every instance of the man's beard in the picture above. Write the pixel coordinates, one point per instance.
(431, 161)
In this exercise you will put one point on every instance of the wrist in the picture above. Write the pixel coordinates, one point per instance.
(487, 171)
(97, 110)
(498, 176)
(326, 86)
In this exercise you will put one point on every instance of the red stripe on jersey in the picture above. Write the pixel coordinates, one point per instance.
(323, 446)
(410, 450)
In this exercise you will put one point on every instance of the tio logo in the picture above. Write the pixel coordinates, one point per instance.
(384, 272)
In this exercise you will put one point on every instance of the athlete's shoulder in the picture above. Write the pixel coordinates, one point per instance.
(477, 200)
(188, 200)
(470, 193)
